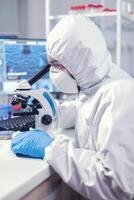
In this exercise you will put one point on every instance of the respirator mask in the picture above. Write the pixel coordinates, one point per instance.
(62, 80)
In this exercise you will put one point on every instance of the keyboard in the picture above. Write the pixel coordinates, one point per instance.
(21, 123)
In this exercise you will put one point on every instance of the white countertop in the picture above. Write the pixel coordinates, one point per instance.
(18, 175)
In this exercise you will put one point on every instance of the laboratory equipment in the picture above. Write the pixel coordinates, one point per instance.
(23, 59)
(21, 123)
(20, 59)
(38, 102)
(36, 108)
(5, 111)
(86, 8)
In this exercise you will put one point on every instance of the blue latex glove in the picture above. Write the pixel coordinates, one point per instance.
(31, 143)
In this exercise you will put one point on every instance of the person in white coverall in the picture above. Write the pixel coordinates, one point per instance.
(100, 166)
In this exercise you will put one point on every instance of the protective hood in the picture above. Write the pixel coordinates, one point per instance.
(77, 43)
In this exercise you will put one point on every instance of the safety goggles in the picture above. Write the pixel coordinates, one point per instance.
(56, 64)
(59, 66)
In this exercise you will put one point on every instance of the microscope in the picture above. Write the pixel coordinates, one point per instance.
(36, 104)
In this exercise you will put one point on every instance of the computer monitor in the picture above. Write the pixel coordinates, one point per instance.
(23, 58)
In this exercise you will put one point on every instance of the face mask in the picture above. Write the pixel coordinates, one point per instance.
(63, 81)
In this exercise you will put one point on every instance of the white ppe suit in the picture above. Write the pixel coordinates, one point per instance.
(100, 166)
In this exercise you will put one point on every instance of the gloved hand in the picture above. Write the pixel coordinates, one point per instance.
(31, 143)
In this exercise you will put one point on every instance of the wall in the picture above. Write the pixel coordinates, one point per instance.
(35, 18)
(26, 18)
(9, 20)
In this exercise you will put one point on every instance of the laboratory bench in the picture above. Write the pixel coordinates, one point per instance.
(27, 178)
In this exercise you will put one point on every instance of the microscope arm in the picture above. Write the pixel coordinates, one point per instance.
(26, 84)
(39, 74)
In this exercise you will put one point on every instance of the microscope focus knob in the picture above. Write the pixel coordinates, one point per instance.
(46, 120)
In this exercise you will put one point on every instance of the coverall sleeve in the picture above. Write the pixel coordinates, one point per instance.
(81, 169)
(67, 114)
(107, 173)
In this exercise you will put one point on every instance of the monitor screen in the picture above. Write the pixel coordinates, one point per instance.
(23, 59)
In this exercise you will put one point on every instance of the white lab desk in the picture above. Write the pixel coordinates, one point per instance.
(20, 178)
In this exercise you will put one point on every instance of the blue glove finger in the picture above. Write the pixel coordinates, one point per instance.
(17, 142)
(17, 139)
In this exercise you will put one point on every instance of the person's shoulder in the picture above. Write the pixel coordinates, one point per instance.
(121, 85)
(119, 88)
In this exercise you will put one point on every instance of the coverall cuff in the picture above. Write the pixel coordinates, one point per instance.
(56, 149)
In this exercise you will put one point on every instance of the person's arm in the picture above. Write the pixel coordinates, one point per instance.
(67, 114)
(79, 168)
(105, 174)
